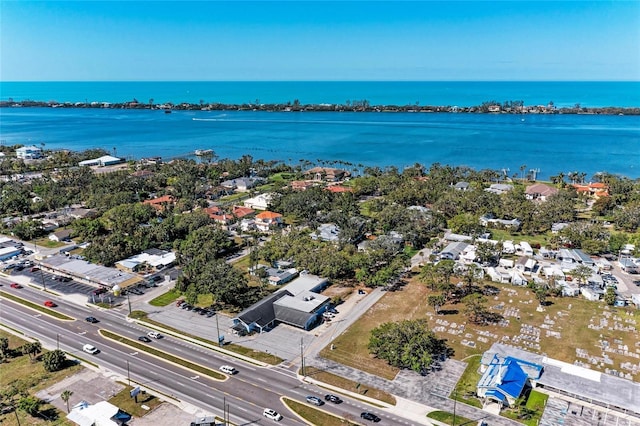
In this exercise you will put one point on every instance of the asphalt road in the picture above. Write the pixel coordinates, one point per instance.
(246, 393)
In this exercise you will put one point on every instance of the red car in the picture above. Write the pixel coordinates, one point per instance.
(49, 304)
(15, 285)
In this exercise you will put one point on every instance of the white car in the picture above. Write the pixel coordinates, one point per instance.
(227, 369)
(90, 349)
(154, 334)
(272, 414)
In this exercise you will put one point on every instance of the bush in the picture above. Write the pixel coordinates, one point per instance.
(54, 360)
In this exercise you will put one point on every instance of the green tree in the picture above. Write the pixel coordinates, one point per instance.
(54, 360)
(32, 349)
(407, 344)
(581, 273)
(30, 405)
(475, 308)
(4, 348)
(610, 296)
(65, 396)
(436, 301)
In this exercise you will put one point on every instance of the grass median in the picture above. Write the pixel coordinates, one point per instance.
(445, 417)
(36, 307)
(240, 350)
(349, 385)
(315, 416)
(164, 355)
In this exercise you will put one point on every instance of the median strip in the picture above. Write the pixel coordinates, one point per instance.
(315, 416)
(163, 355)
(34, 306)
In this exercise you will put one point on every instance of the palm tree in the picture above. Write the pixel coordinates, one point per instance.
(522, 169)
(65, 397)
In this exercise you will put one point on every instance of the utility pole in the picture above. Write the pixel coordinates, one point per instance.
(302, 356)
(218, 331)
(224, 410)
(128, 374)
(58, 341)
(129, 303)
(455, 399)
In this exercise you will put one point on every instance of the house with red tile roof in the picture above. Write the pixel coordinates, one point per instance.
(338, 189)
(240, 211)
(301, 185)
(592, 189)
(218, 216)
(267, 220)
(161, 203)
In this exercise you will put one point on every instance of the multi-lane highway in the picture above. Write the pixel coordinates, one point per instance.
(246, 394)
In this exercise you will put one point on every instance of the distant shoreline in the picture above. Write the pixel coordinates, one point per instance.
(489, 107)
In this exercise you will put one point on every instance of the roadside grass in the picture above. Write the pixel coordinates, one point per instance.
(43, 309)
(47, 243)
(241, 350)
(465, 389)
(165, 298)
(127, 404)
(349, 385)
(315, 416)
(164, 355)
(446, 417)
(21, 375)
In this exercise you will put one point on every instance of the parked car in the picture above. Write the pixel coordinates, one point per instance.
(272, 414)
(314, 400)
(186, 306)
(179, 302)
(92, 320)
(227, 369)
(144, 339)
(100, 290)
(210, 313)
(15, 285)
(154, 334)
(361, 291)
(90, 349)
(332, 398)
(49, 304)
(369, 416)
(333, 311)
(35, 269)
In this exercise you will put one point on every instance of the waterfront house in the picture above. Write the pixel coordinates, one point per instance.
(327, 174)
(593, 190)
(105, 160)
(499, 188)
(31, 152)
(539, 191)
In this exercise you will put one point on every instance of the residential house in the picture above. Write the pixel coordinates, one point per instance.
(569, 288)
(31, 152)
(327, 174)
(506, 263)
(590, 293)
(593, 190)
(161, 203)
(217, 215)
(338, 189)
(302, 185)
(105, 160)
(327, 232)
(62, 235)
(461, 186)
(504, 379)
(526, 265)
(558, 226)
(267, 221)
(242, 184)
(540, 192)
(453, 250)
(517, 278)
(241, 212)
(628, 265)
(143, 174)
(525, 249)
(259, 202)
(508, 247)
(499, 188)
(499, 275)
(490, 220)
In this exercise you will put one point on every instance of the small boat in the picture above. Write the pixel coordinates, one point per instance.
(201, 152)
(167, 111)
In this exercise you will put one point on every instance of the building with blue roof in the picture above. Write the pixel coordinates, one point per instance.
(505, 378)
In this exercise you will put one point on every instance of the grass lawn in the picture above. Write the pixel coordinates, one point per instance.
(349, 385)
(466, 387)
(516, 237)
(537, 400)
(164, 355)
(166, 298)
(445, 417)
(21, 374)
(316, 416)
(127, 404)
(48, 311)
(47, 243)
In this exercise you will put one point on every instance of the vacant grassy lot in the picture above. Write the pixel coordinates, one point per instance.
(316, 416)
(165, 298)
(559, 330)
(47, 243)
(20, 374)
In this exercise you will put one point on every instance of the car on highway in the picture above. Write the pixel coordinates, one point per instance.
(227, 369)
(144, 339)
(332, 398)
(369, 416)
(15, 285)
(314, 400)
(49, 304)
(154, 334)
(90, 349)
(92, 320)
(272, 414)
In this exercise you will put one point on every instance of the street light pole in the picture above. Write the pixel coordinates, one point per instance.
(302, 356)
(129, 303)
(455, 399)
(58, 341)
(218, 331)
(128, 374)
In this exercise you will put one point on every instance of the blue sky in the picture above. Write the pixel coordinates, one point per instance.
(207, 40)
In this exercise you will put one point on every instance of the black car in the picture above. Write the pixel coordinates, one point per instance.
(92, 320)
(369, 416)
(210, 314)
(332, 398)
(144, 339)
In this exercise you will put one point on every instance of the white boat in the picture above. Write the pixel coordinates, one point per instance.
(201, 152)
